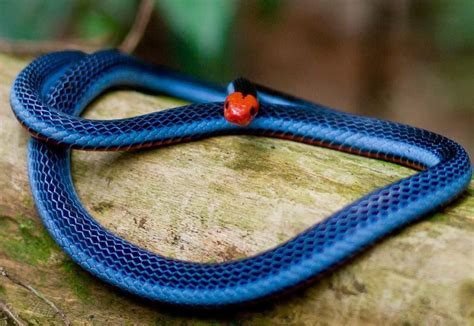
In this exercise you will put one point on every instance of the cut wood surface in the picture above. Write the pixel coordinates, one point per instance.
(220, 199)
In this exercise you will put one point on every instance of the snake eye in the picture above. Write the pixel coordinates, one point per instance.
(253, 111)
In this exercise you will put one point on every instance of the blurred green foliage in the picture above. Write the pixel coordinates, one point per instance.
(449, 28)
(200, 30)
(453, 25)
(203, 25)
(448, 25)
(33, 20)
(268, 9)
(54, 19)
(106, 19)
(201, 33)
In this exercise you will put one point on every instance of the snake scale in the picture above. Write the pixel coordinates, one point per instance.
(48, 96)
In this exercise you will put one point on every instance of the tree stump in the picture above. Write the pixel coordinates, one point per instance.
(220, 199)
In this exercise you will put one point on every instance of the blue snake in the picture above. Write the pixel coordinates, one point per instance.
(48, 96)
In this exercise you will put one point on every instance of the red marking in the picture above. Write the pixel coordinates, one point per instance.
(239, 109)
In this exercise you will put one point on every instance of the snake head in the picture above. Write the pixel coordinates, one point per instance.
(241, 105)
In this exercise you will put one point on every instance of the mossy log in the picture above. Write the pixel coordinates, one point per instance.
(220, 199)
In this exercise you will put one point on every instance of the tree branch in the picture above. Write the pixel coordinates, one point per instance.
(58, 311)
(138, 28)
(10, 314)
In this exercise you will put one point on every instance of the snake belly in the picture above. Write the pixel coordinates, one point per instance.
(48, 96)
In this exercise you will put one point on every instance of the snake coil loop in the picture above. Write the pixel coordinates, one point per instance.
(49, 94)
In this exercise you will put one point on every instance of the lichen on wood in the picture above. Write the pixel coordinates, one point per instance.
(220, 199)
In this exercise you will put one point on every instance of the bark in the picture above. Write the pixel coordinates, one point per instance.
(220, 199)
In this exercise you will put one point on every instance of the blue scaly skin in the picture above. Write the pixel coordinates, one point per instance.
(48, 96)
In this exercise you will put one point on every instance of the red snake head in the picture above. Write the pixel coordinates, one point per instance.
(241, 105)
(240, 109)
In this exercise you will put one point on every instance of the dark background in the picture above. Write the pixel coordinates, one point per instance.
(402, 60)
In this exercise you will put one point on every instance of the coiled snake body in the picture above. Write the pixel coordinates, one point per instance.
(48, 96)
